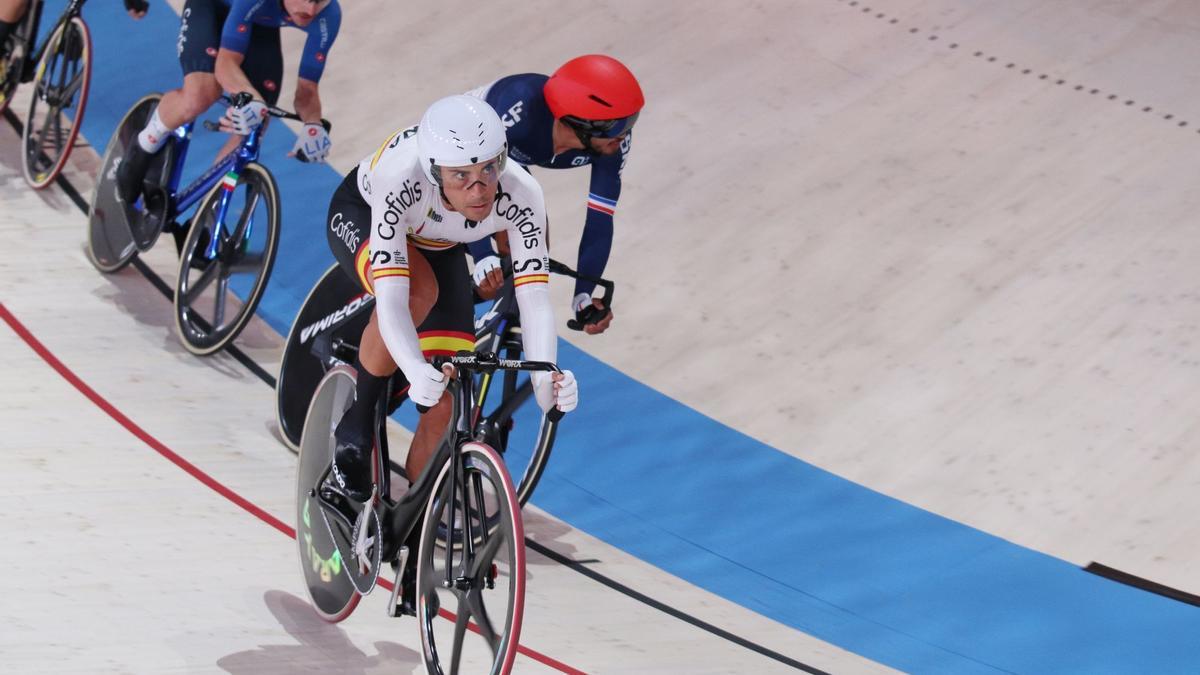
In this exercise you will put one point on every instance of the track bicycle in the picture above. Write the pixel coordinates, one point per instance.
(454, 540)
(226, 257)
(61, 71)
(326, 332)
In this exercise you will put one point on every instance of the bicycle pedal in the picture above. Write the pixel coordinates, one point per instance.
(401, 604)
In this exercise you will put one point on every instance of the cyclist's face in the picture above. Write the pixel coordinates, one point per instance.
(302, 12)
(607, 146)
(471, 189)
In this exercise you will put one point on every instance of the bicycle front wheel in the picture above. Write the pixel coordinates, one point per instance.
(225, 262)
(513, 423)
(60, 92)
(471, 595)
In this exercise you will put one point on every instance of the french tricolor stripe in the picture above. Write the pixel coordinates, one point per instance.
(229, 182)
(601, 204)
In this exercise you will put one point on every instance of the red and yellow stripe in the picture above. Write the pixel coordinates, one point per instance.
(446, 342)
(431, 244)
(531, 279)
(362, 265)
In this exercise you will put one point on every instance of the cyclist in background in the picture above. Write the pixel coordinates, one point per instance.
(12, 11)
(233, 46)
(581, 115)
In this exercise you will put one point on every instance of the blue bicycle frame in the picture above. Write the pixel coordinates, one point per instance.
(225, 171)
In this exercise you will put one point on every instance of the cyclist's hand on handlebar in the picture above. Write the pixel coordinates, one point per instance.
(427, 385)
(489, 277)
(591, 314)
(137, 8)
(558, 390)
(243, 120)
(313, 144)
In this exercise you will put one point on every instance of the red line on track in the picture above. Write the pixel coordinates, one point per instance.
(192, 469)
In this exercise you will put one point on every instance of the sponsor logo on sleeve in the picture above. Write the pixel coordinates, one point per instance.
(397, 204)
(520, 216)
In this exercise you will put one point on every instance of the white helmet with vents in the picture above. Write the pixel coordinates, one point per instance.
(459, 131)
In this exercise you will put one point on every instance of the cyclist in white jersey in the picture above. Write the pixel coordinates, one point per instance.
(397, 224)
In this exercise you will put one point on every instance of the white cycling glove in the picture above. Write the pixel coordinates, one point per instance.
(313, 144)
(566, 397)
(246, 118)
(425, 385)
(482, 267)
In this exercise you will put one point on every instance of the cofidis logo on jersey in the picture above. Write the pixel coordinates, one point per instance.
(397, 204)
(520, 216)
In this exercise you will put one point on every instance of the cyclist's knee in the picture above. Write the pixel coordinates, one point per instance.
(199, 94)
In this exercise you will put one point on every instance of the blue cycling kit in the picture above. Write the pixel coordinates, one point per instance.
(522, 106)
(323, 30)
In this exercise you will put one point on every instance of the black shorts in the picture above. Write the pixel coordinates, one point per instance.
(450, 326)
(200, 38)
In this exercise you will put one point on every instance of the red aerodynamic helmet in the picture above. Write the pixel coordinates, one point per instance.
(595, 94)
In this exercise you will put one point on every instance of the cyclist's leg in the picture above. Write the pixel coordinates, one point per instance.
(199, 39)
(11, 13)
(449, 328)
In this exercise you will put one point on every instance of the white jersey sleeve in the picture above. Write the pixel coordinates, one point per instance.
(521, 212)
(391, 182)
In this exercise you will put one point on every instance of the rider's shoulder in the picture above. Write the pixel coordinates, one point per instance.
(521, 184)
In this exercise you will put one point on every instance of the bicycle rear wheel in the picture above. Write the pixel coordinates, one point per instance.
(110, 241)
(515, 426)
(60, 92)
(215, 296)
(326, 573)
(336, 309)
(478, 584)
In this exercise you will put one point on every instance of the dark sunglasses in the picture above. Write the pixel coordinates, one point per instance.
(602, 128)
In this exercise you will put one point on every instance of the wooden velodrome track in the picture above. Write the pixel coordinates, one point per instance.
(942, 250)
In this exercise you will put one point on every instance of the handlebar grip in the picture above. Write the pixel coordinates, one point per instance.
(421, 408)
(555, 415)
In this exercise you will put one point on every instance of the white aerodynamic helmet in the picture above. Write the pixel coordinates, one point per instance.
(459, 131)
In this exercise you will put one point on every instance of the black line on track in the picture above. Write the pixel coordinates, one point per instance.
(667, 609)
(576, 565)
(1008, 64)
(1143, 584)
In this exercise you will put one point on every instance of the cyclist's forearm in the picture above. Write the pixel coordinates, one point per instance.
(538, 337)
(595, 245)
(396, 324)
(308, 101)
(230, 76)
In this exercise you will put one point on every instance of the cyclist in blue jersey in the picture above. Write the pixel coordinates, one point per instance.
(581, 115)
(233, 46)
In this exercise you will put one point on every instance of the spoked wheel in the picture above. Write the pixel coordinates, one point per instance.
(110, 242)
(60, 92)
(225, 263)
(471, 596)
(326, 572)
(512, 422)
(333, 315)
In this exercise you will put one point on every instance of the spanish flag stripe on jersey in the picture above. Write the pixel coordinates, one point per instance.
(383, 147)
(531, 279)
(390, 272)
(445, 342)
(362, 265)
